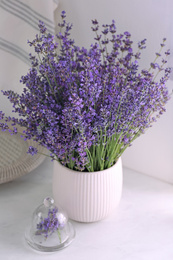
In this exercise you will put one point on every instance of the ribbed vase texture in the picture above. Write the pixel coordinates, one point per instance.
(87, 196)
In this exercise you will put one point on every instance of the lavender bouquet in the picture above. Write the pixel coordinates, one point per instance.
(86, 106)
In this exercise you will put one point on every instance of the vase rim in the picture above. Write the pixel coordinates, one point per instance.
(119, 161)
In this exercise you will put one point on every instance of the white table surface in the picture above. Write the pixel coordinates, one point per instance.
(140, 229)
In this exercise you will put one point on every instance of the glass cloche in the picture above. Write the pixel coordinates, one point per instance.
(50, 229)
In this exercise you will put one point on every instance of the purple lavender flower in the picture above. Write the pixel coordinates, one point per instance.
(87, 105)
(47, 226)
(32, 150)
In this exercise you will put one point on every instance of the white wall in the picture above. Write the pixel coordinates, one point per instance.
(152, 153)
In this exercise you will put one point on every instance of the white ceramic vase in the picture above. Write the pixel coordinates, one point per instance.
(87, 196)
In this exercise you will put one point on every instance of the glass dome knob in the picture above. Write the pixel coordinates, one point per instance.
(48, 202)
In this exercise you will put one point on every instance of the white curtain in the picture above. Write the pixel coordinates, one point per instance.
(18, 24)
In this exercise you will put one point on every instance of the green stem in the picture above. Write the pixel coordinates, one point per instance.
(48, 81)
(59, 235)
